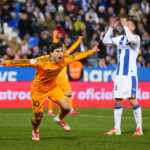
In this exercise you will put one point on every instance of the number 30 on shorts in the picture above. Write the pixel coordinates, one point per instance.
(35, 103)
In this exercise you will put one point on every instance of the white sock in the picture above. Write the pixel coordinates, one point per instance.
(117, 117)
(57, 117)
(138, 116)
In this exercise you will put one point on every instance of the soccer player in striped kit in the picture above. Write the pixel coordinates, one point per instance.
(125, 84)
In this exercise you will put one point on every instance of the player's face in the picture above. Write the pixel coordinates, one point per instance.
(130, 26)
(57, 54)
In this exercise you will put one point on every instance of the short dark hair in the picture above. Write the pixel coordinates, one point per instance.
(134, 23)
(54, 46)
(130, 19)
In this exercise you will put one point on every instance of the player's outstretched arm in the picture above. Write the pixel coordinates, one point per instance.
(80, 55)
(18, 62)
(131, 37)
(75, 45)
(107, 38)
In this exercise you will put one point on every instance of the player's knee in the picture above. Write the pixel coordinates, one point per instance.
(134, 102)
(118, 102)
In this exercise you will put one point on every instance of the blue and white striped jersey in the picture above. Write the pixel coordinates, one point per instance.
(128, 48)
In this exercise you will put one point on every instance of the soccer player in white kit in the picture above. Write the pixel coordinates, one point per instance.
(125, 84)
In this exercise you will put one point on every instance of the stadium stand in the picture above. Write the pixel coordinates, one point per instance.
(89, 18)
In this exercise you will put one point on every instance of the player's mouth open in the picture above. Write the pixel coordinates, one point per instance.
(59, 58)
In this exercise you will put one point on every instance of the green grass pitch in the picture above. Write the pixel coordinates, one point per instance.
(87, 131)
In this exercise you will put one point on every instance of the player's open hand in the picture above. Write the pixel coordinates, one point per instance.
(123, 21)
(95, 48)
(2, 62)
(115, 22)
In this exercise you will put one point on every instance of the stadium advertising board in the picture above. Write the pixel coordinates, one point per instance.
(93, 75)
(85, 94)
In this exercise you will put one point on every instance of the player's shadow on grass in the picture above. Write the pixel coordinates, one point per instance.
(64, 138)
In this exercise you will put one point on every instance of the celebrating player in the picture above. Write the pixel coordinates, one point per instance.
(44, 84)
(125, 85)
(62, 80)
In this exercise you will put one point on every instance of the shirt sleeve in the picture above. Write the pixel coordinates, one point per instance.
(74, 46)
(111, 40)
(21, 63)
(77, 56)
(54, 38)
(131, 37)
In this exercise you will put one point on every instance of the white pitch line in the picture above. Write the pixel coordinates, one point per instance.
(102, 116)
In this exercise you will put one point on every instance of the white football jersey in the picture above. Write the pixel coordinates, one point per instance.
(127, 51)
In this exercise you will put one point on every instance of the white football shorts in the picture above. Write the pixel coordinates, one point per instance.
(125, 87)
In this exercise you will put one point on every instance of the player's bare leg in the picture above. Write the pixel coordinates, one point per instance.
(117, 118)
(36, 120)
(63, 111)
(138, 116)
(72, 112)
(51, 108)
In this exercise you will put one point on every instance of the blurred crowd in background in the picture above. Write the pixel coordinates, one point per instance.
(26, 27)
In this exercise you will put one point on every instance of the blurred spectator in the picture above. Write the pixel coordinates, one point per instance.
(24, 25)
(112, 4)
(147, 57)
(112, 63)
(145, 42)
(41, 5)
(140, 29)
(38, 14)
(91, 14)
(2, 49)
(110, 50)
(145, 5)
(92, 60)
(135, 11)
(123, 4)
(13, 44)
(30, 3)
(44, 42)
(41, 26)
(77, 24)
(102, 63)
(111, 12)
(68, 22)
(102, 13)
(49, 22)
(71, 32)
(108, 60)
(60, 29)
(36, 52)
(122, 13)
(50, 7)
(5, 12)
(71, 4)
(61, 13)
(140, 61)
(145, 24)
